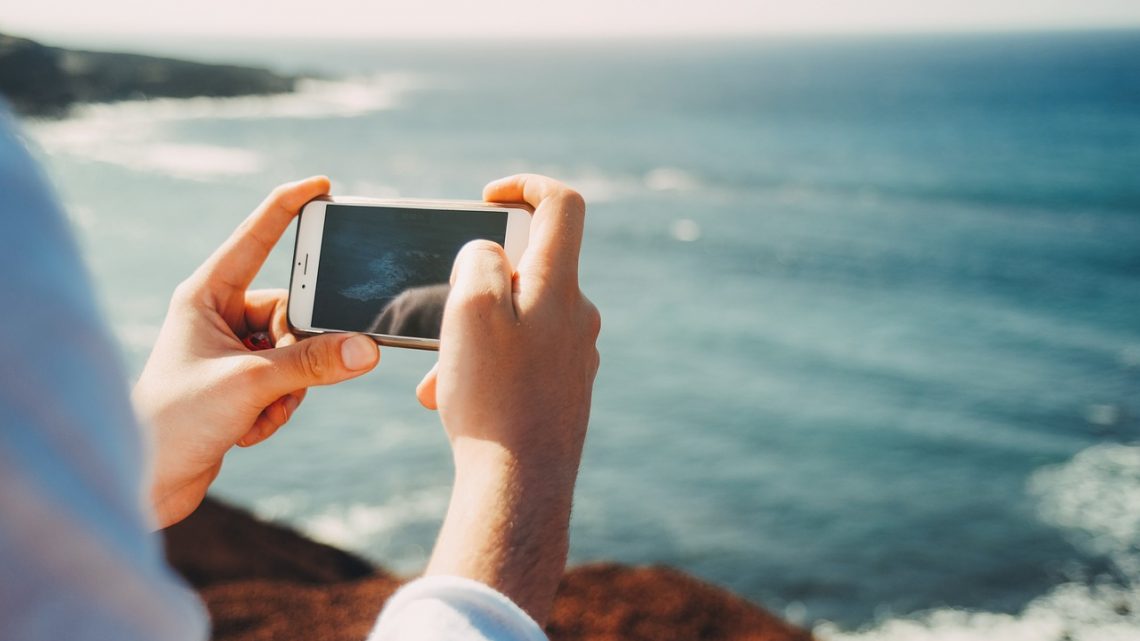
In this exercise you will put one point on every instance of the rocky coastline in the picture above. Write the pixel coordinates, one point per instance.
(46, 81)
(264, 581)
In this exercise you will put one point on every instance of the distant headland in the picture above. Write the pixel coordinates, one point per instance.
(41, 80)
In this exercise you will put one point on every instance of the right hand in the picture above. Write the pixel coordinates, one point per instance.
(513, 384)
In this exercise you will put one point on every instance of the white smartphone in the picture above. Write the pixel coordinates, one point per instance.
(382, 267)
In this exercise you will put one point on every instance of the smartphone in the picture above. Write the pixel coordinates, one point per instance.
(382, 267)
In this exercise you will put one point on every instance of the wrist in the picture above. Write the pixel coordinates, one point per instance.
(538, 472)
(512, 496)
(507, 525)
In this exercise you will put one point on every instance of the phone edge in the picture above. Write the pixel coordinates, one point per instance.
(408, 342)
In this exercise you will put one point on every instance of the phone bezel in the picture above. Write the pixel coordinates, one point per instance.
(305, 265)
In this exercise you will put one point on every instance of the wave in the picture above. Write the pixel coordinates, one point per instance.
(137, 134)
(597, 185)
(312, 99)
(1096, 498)
(670, 179)
(357, 525)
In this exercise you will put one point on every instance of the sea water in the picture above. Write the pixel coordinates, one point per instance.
(871, 306)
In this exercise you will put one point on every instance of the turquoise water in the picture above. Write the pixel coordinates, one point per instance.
(871, 342)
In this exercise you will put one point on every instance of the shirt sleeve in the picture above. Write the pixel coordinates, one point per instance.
(78, 560)
(448, 608)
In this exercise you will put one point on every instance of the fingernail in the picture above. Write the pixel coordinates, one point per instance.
(358, 352)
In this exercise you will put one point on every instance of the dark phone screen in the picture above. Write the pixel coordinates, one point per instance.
(385, 270)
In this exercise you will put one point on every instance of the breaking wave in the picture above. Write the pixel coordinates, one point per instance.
(137, 134)
(1095, 497)
(357, 525)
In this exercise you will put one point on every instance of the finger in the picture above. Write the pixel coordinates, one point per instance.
(556, 229)
(265, 310)
(481, 276)
(425, 391)
(268, 310)
(271, 419)
(238, 260)
(320, 360)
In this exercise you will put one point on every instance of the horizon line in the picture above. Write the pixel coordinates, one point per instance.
(47, 36)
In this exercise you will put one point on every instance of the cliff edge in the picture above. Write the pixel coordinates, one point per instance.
(264, 581)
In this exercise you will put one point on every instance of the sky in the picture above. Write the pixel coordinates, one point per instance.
(536, 19)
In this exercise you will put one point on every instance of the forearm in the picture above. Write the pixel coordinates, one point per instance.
(517, 360)
(507, 525)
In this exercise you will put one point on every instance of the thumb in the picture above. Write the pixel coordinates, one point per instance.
(320, 360)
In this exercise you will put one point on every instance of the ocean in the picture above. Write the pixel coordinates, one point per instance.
(871, 305)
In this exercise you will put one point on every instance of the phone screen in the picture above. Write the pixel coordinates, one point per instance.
(385, 270)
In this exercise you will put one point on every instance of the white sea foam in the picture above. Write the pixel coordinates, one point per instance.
(312, 99)
(189, 161)
(1097, 494)
(598, 186)
(685, 230)
(670, 179)
(372, 188)
(136, 134)
(355, 526)
(1096, 497)
(1103, 415)
(279, 506)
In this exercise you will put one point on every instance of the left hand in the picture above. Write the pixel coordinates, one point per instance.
(202, 391)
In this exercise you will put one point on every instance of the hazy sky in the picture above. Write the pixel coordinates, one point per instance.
(419, 18)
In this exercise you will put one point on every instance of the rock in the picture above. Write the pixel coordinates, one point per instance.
(263, 581)
(32, 77)
(46, 81)
(611, 602)
(221, 544)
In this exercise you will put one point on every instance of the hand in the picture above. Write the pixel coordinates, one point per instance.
(202, 391)
(516, 370)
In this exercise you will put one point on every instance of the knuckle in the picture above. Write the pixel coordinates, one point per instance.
(475, 256)
(185, 292)
(571, 199)
(313, 361)
(558, 295)
(540, 183)
(480, 247)
(475, 298)
(246, 374)
(279, 192)
(182, 290)
(592, 319)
